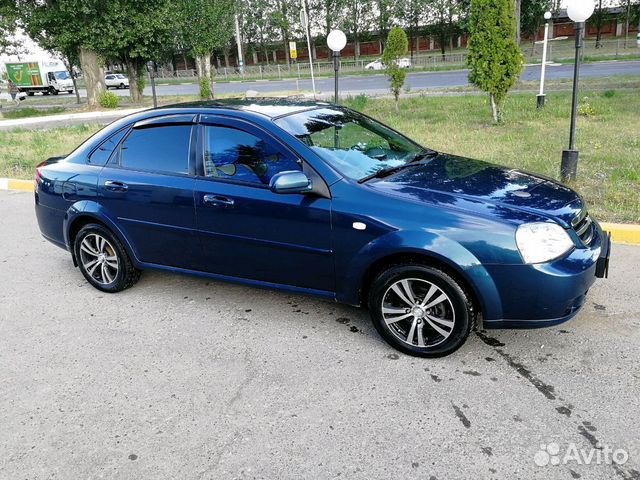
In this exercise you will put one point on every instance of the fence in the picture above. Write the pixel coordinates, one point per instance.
(558, 51)
(302, 69)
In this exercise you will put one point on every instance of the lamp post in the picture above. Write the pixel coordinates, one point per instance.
(336, 41)
(578, 11)
(540, 97)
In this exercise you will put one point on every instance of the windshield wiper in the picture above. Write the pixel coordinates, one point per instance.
(423, 155)
(385, 172)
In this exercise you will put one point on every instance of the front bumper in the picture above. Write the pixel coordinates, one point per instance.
(544, 295)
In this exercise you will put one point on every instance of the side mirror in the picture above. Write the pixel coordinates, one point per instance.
(290, 182)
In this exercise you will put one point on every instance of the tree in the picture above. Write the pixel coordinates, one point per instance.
(598, 18)
(357, 17)
(72, 28)
(206, 25)
(8, 45)
(412, 13)
(395, 49)
(494, 57)
(532, 16)
(146, 31)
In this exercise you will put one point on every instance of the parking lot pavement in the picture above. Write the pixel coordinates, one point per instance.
(183, 377)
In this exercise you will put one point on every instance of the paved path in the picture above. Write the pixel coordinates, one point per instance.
(180, 377)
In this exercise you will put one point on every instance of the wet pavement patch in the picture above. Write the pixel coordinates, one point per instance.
(461, 416)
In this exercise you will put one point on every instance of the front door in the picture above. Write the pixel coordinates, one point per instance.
(148, 186)
(247, 230)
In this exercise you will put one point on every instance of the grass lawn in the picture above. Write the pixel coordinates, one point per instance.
(608, 139)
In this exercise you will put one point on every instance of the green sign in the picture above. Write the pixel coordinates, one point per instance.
(24, 74)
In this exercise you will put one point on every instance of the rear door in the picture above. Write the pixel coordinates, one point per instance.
(147, 188)
(247, 230)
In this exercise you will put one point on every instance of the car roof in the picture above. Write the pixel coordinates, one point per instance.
(269, 107)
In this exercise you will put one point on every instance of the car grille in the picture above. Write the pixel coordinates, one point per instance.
(583, 226)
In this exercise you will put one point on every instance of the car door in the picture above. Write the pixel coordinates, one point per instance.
(147, 188)
(248, 231)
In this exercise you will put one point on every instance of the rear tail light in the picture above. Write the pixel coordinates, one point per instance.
(38, 178)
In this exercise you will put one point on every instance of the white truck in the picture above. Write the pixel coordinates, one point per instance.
(50, 77)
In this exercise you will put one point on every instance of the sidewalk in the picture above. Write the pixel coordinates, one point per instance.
(105, 116)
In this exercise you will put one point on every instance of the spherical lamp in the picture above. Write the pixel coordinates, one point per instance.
(336, 40)
(580, 10)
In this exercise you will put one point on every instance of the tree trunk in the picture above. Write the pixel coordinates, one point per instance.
(93, 76)
(69, 67)
(134, 72)
(203, 67)
(494, 108)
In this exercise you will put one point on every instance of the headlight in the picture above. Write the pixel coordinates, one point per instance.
(540, 242)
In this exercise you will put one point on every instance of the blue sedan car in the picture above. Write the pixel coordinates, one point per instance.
(315, 198)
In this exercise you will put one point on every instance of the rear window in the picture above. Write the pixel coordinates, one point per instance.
(157, 149)
(101, 155)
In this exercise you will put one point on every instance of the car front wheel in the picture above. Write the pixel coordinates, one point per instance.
(103, 260)
(420, 310)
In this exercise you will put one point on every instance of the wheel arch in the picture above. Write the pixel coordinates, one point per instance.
(427, 248)
(84, 213)
(420, 258)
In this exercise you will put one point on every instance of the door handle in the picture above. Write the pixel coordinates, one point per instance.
(116, 186)
(217, 201)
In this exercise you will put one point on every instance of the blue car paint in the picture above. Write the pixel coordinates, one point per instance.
(460, 212)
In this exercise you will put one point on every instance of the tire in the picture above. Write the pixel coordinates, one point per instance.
(69, 92)
(122, 85)
(93, 240)
(30, 94)
(53, 91)
(406, 316)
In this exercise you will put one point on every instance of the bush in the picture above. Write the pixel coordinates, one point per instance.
(108, 100)
(609, 93)
(396, 47)
(205, 89)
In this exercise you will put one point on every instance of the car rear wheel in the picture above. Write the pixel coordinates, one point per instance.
(420, 310)
(103, 260)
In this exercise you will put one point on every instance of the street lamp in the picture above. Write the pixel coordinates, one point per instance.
(336, 41)
(547, 16)
(578, 11)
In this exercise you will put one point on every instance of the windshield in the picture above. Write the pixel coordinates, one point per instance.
(62, 75)
(120, 76)
(353, 144)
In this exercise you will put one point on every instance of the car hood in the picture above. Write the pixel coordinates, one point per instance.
(475, 182)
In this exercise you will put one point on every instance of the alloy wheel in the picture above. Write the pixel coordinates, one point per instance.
(99, 259)
(418, 312)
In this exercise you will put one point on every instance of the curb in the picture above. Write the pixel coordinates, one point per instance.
(19, 185)
(620, 232)
(623, 232)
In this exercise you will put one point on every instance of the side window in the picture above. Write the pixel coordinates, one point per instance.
(109, 77)
(157, 149)
(236, 154)
(101, 155)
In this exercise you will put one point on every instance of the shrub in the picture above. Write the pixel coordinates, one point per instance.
(205, 89)
(494, 58)
(397, 45)
(109, 100)
(609, 93)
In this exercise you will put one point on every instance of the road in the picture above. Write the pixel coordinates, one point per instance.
(354, 84)
(181, 377)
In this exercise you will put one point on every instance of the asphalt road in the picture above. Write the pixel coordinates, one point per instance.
(182, 377)
(415, 81)
(354, 84)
